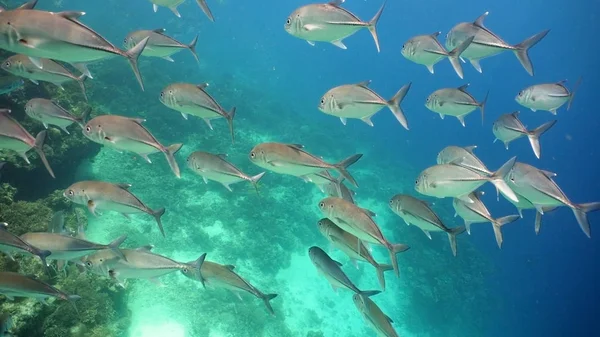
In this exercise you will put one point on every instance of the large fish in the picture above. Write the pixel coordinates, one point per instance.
(463, 156)
(64, 247)
(159, 44)
(224, 276)
(11, 244)
(417, 212)
(358, 221)
(358, 101)
(172, 5)
(377, 320)
(190, 99)
(61, 37)
(455, 102)
(428, 51)
(292, 159)
(10, 83)
(14, 137)
(351, 246)
(100, 195)
(216, 167)
(16, 285)
(328, 23)
(50, 113)
(486, 44)
(128, 134)
(508, 127)
(476, 212)
(547, 96)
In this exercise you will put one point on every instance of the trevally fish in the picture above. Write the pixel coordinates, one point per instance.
(16, 285)
(547, 96)
(100, 195)
(358, 221)
(428, 51)
(455, 102)
(48, 71)
(128, 134)
(190, 99)
(292, 159)
(328, 23)
(10, 244)
(10, 83)
(486, 44)
(380, 322)
(216, 167)
(172, 5)
(224, 276)
(360, 102)
(64, 247)
(159, 44)
(50, 113)
(14, 137)
(476, 212)
(462, 156)
(508, 127)
(351, 246)
(417, 212)
(332, 271)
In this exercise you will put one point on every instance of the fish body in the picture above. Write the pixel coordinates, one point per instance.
(216, 167)
(463, 156)
(455, 102)
(50, 113)
(428, 51)
(11, 244)
(509, 127)
(547, 96)
(373, 315)
(159, 44)
(10, 83)
(64, 247)
(17, 285)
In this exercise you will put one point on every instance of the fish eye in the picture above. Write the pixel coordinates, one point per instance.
(323, 100)
(391, 201)
(252, 155)
(288, 21)
(7, 64)
(170, 92)
(417, 182)
(71, 192)
(125, 41)
(321, 204)
(162, 94)
(185, 270)
(520, 93)
(88, 128)
(89, 264)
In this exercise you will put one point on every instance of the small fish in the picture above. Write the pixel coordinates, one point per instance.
(6, 323)
(476, 212)
(548, 96)
(172, 5)
(128, 134)
(455, 102)
(358, 101)
(64, 247)
(10, 83)
(463, 156)
(16, 285)
(377, 320)
(190, 99)
(100, 195)
(14, 137)
(417, 212)
(50, 113)
(428, 51)
(159, 44)
(508, 127)
(329, 23)
(358, 221)
(351, 246)
(216, 167)
(57, 223)
(10, 244)
(224, 276)
(50, 71)
(333, 272)
(486, 44)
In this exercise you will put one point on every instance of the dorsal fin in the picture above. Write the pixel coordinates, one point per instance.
(28, 5)
(70, 15)
(336, 3)
(561, 82)
(159, 30)
(364, 83)
(124, 186)
(479, 21)
(389, 319)
(338, 263)
(296, 146)
(229, 266)
(222, 155)
(146, 248)
(515, 114)
(138, 120)
(548, 174)
(202, 85)
(368, 212)
(435, 35)
(470, 148)
(463, 87)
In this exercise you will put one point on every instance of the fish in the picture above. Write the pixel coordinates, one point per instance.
(523, 203)
(6, 323)
(428, 51)
(455, 102)
(462, 156)
(61, 37)
(16, 285)
(477, 212)
(64, 247)
(10, 83)
(377, 320)
(292, 159)
(128, 134)
(159, 44)
(216, 167)
(172, 5)
(57, 223)
(14, 137)
(358, 221)
(10, 244)
(224, 276)
(329, 22)
(190, 99)
(547, 96)
(487, 44)
(508, 127)
(450, 180)
(358, 101)
(332, 271)
(417, 212)
(351, 246)
(48, 71)
(101, 195)
(540, 189)
(49, 112)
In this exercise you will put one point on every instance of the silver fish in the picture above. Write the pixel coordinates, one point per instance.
(10, 83)
(172, 5)
(17, 285)
(455, 102)
(50, 113)
(191, 99)
(508, 127)
(216, 167)
(547, 96)
(10, 244)
(463, 156)
(159, 44)
(360, 102)
(57, 223)
(328, 23)
(64, 247)
(14, 137)
(428, 51)
(100, 195)
(377, 320)
(487, 44)
(128, 134)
